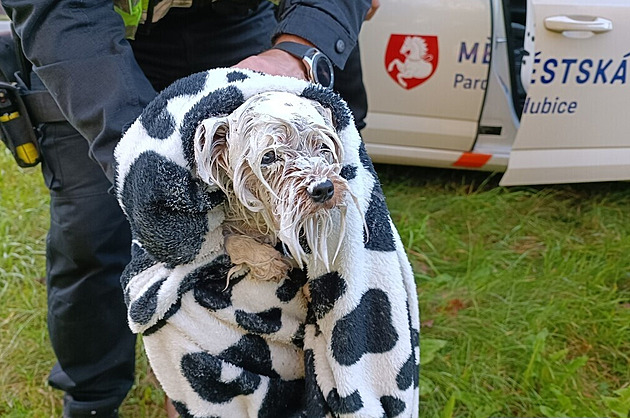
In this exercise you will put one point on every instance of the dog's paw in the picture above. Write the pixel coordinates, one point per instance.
(263, 261)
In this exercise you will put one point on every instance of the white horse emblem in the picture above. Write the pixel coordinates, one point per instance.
(417, 63)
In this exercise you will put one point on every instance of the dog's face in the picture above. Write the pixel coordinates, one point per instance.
(278, 159)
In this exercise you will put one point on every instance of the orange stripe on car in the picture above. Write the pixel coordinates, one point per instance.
(472, 160)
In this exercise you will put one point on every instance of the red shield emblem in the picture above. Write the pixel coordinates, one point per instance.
(411, 60)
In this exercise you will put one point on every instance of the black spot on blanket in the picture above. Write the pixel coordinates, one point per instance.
(183, 411)
(285, 398)
(344, 404)
(380, 236)
(186, 86)
(166, 208)
(292, 285)
(408, 373)
(331, 100)
(220, 102)
(266, 322)
(298, 337)
(140, 261)
(203, 372)
(366, 161)
(304, 243)
(162, 321)
(236, 76)
(367, 329)
(213, 273)
(142, 309)
(156, 119)
(415, 342)
(252, 354)
(415, 337)
(316, 406)
(412, 366)
(392, 406)
(348, 172)
(325, 292)
(209, 284)
(211, 297)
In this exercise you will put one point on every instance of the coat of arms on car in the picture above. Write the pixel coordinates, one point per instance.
(411, 60)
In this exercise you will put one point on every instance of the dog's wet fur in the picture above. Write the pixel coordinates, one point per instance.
(278, 160)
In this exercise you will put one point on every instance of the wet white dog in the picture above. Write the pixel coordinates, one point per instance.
(277, 159)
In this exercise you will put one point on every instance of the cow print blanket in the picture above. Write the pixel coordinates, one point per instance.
(261, 348)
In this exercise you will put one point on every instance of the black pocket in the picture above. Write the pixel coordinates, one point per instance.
(50, 159)
(65, 155)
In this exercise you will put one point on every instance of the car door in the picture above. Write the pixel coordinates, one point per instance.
(575, 125)
(425, 65)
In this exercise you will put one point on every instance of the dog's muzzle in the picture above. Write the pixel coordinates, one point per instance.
(322, 192)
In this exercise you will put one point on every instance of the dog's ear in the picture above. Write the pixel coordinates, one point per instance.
(326, 114)
(210, 145)
(335, 143)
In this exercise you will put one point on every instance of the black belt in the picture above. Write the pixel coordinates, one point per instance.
(42, 108)
(39, 103)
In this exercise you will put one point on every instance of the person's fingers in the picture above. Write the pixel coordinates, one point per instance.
(375, 5)
(275, 62)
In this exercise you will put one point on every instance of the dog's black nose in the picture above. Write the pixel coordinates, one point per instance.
(322, 192)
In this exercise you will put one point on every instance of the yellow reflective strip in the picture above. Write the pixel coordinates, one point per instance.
(131, 18)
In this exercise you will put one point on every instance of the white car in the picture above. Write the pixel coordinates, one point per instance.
(539, 89)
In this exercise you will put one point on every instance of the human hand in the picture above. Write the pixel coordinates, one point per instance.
(375, 5)
(275, 62)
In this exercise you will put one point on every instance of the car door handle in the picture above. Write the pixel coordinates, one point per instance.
(578, 23)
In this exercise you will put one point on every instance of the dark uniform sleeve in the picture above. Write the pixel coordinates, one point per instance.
(79, 50)
(331, 25)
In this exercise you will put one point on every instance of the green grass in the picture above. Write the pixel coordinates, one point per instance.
(524, 292)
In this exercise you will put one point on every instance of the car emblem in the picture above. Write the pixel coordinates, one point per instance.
(411, 60)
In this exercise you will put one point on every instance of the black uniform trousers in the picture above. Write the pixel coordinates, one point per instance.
(88, 243)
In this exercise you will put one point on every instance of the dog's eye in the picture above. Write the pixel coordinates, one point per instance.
(268, 158)
(326, 152)
(324, 149)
